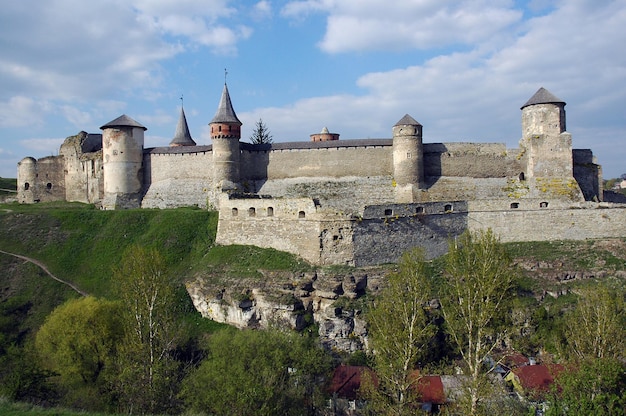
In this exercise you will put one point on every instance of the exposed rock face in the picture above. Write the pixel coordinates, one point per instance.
(291, 299)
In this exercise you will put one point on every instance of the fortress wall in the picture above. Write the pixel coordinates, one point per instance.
(291, 225)
(49, 181)
(347, 194)
(553, 224)
(178, 179)
(477, 160)
(330, 162)
(388, 231)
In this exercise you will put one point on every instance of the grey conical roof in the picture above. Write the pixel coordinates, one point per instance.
(407, 120)
(123, 121)
(182, 137)
(543, 96)
(225, 112)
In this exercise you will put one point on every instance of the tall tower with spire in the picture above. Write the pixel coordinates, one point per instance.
(182, 137)
(225, 134)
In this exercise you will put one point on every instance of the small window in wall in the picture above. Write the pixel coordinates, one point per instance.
(447, 208)
(235, 212)
(514, 205)
(419, 210)
(522, 177)
(251, 212)
(543, 205)
(388, 212)
(301, 214)
(26, 186)
(48, 186)
(408, 155)
(219, 128)
(270, 211)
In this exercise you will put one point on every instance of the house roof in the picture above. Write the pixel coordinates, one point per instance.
(537, 378)
(543, 96)
(225, 112)
(515, 359)
(182, 137)
(346, 380)
(430, 389)
(123, 121)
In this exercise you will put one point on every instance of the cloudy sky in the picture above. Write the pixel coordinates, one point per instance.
(462, 68)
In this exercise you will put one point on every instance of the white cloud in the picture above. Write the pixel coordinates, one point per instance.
(358, 25)
(20, 111)
(40, 146)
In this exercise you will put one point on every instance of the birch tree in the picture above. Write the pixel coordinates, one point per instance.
(596, 328)
(400, 330)
(479, 279)
(148, 298)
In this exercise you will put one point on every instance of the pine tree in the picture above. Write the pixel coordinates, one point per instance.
(261, 134)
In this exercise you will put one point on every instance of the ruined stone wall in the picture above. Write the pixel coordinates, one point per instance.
(179, 176)
(41, 180)
(388, 231)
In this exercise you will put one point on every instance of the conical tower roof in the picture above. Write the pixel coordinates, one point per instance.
(225, 112)
(123, 121)
(407, 120)
(543, 96)
(182, 137)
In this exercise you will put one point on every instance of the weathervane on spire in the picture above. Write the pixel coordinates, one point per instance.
(225, 74)
(181, 100)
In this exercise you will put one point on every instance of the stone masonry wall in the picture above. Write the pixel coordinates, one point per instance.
(546, 224)
(175, 178)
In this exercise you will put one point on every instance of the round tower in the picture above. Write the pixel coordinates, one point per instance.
(324, 136)
(225, 134)
(122, 153)
(26, 177)
(547, 146)
(543, 113)
(408, 157)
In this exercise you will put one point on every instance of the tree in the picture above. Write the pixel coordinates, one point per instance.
(146, 365)
(593, 387)
(479, 280)
(260, 134)
(78, 341)
(400, 330)
(596, 327)
(250, 372)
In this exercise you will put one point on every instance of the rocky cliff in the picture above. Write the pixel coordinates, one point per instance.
(327, 301)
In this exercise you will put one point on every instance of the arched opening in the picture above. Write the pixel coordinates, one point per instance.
(251, 212)
(522, 177)
(514, 205)
(48, 186)
(388, 212)
(235, 212)
(543, 204)
(447, 208)
(301, 214)
(270, 211)
(419, 210)
(26, 186)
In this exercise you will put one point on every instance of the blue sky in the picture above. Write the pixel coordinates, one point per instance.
(461, 68)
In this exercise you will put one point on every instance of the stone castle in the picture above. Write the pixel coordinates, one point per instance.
(331, 201)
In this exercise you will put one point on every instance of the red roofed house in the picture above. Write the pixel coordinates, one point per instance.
(534, 380)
